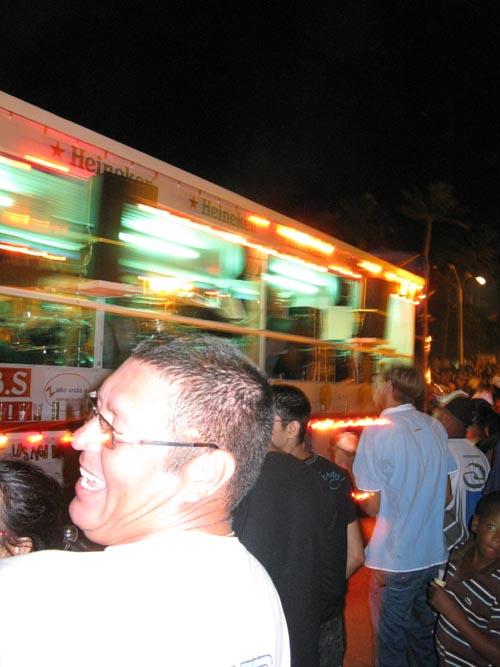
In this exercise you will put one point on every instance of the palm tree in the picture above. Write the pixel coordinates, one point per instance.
(436, 204)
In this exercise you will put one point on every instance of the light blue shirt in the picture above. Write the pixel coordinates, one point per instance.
(408, 462)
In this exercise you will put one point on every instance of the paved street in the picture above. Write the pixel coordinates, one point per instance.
(360, 651)
(359, 632)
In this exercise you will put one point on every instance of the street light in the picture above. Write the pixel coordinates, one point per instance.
(460, 292)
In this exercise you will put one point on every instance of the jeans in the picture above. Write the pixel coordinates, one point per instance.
(402, 618)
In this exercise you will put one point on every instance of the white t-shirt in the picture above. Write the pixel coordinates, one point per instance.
(467, 484)
(180, 599)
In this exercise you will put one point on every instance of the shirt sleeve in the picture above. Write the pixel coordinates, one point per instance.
(365, 467)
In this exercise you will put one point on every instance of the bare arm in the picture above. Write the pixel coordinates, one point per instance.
(355, 548)
(481, 642)
(369, 502)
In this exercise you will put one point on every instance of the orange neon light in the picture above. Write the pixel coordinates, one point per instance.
(345, 272)
(371, 267)
(46, 163)
(14, 163)
(260, 222)
(303, 239)
(35, 439)
(361, 495)
(15, 218)
(334, 424)
(23, 250)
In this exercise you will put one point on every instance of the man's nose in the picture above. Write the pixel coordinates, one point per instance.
(88, 437)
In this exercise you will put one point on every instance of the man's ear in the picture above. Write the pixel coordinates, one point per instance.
(206, 474)
(23, 546)
(474, 524)
(293, 428)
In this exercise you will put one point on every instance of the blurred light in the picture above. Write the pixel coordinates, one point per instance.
(305, 240)
(157, 246)
(334, 424)
(480, 280)
(288, 283)
(345, 272)
(370, 266)
(361, 495)
(46, 163)
(6, 201)
(35, 439)
(23, 250)
(260, 222)
(14, 163)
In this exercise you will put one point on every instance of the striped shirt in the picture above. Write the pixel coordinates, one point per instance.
(478, 595)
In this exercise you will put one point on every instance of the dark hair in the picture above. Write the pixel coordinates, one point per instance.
(291, 404)
(31, 506)
(220, 393)
(407, 383)
(488, 505)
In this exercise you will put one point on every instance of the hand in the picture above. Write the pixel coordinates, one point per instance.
(442, 601)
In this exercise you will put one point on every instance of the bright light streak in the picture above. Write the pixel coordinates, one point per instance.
(46, 163)
(303, 239)
(157, 246)
(23, 250)
(14, 163)
(334, 424)
(370, 266)
(6, 201)
(260, 222)
(288, 283)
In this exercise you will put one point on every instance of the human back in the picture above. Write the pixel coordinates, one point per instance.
(289, 522)
(409, 462)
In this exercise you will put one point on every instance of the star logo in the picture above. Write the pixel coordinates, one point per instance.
(57, 151)
(194, 202)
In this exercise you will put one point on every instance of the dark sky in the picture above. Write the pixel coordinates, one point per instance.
(294, 105)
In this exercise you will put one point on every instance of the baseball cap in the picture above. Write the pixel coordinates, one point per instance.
(460, 405)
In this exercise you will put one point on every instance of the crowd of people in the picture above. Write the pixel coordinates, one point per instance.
(219, 538)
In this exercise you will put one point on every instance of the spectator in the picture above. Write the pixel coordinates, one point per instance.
(468, 628)
(294, 410)
(457, 412)
(290, 522)
(32, 509)
(483, 391)
(404, 467)
(176, 436)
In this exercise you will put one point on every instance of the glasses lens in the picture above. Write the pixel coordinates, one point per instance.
(91, 406)
(108, 435)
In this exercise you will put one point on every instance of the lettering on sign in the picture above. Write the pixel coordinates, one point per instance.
(15, 382)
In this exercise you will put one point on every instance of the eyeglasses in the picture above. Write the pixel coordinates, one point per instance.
(110, 437)
(285, 421)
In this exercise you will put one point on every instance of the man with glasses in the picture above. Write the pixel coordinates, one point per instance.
(175, 438)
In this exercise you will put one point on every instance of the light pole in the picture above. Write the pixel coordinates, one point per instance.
(460, 292)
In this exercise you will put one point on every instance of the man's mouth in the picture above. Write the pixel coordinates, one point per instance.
(90, 481)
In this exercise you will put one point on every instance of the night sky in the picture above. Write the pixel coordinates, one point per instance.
(294, 105)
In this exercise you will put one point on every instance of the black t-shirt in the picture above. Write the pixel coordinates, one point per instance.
(290, 523)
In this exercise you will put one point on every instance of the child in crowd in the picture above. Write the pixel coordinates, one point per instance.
(468, 628)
